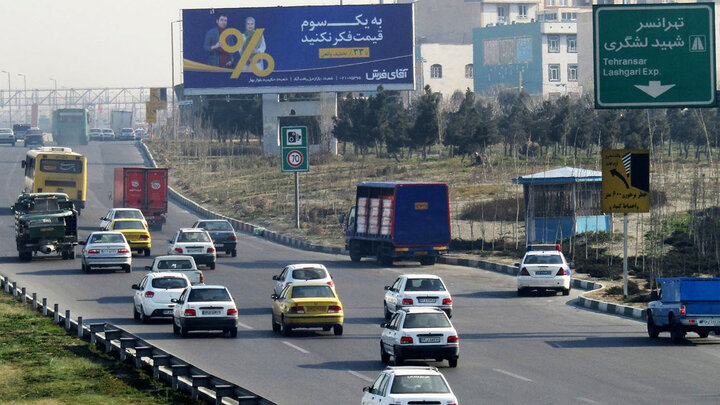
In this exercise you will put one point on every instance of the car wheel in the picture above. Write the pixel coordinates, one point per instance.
(176, 330)
(212, 266)
(677, 333)
(147, 252)
(520, 292)
(127, 268)
(398, 359)
(703, 333)
(275, 326)
(453, 362)
(384, 357)
(233, 253)
(566, 291)
(83, 267)
(285, 329)
(233, 332)
(387, 312)
(143, 318)
(338, 330)
(136, 314)
(652, 329)
(183, 331)
(427, 261)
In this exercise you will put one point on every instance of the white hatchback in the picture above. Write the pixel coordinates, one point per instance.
(194, 242)
(205, 307)
(154, 294)
(544, 268)
(417, 290)
(409, 385)
(121, 213)
(301, 272)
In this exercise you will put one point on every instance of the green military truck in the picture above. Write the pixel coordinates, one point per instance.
(47, 223)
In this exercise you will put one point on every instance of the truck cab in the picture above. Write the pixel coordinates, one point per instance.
(685, 304)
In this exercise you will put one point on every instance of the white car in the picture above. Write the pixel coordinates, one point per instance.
(419, 333)
(205, 307)
(194, 242)
(179, 264)
(544, 268)
(301, 272)
(108, 134)
(96, 134)
(122, 213)
(7, 136)
(409, 385)
(154, 294)
(417, 290)
(106, 249)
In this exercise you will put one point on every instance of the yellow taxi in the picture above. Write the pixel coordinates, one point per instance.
(307, 305)
(135, 232)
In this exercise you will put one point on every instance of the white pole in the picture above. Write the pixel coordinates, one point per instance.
(297, 201)
(625, 255)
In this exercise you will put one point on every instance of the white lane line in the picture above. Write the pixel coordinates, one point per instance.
(242, 325)
(360, 376)
(298, 348)
(589, 401)
(513, 375)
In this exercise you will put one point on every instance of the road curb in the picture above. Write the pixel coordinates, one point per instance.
(248, 228)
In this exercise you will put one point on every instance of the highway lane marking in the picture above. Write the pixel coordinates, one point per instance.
(358, 375)
(513, 375)
(245, 326)
(589, 401)
(298, 348)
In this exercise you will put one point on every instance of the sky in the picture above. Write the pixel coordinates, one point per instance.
(101, 43)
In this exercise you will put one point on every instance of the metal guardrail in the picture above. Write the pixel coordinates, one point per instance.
(182, 376)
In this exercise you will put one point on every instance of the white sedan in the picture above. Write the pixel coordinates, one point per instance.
(194, 242)
(301, 272)
(544, 268)
(417, 290)
(122, 213)
(205, 307)
(409, 385)
(154, 294)
(106, 249)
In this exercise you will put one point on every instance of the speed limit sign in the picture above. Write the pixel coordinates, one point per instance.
(294, 160)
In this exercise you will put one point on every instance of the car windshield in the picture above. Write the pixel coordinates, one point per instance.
(216, 226)
(308, 274)
(44, 205)
(169, 282)
(193, 237)
(308, 291)
(128, 215)
(419, 384)
(424, 284)
(434, 320)
(174, 264)
(128, 225)
(543, 259)
(108, 131)
(107, 238)
(209, 294)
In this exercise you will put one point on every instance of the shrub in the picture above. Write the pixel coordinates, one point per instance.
(502, 209)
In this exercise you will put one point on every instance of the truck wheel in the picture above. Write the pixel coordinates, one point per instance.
(677, 332)
(703, 333)
(383, 259)
(65, 255)
(355, 253)
(25, 256)
(71, 255)
(652, 329)
(427, 261)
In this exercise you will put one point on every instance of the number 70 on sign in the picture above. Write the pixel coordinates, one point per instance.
(295, 159)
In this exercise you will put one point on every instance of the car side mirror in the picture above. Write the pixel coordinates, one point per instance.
(81, 242)
(148, 268)
(276, 278)
(169, 241)
(341, 219)
(135, 287)
(384, 325)
(175, 300)
(654, 295)
(22, 164)
(366, 389)
(516, 264)
(571, 265)
(387, 287)
(274, 296)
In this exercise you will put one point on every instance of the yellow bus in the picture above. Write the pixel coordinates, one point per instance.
(52, 169)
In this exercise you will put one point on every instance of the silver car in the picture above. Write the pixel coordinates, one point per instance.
(178, 264)
(106, 249)
(7, 136)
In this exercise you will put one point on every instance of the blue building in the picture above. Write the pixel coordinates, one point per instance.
(561, 203)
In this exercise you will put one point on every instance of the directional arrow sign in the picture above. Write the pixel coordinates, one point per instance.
(654, 55)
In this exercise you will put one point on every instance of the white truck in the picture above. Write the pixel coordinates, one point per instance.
(120, 120)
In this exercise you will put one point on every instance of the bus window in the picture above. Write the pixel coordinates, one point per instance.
(61, 166)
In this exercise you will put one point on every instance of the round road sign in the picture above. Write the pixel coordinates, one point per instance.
(295, 158)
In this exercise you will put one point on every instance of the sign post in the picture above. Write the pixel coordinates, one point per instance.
(654, 55)
(295, 158)
(625, 189)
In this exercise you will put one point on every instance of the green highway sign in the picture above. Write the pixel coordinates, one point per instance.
(654, 55)
(294, 149)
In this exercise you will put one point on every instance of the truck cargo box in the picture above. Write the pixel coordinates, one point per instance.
(144, 188)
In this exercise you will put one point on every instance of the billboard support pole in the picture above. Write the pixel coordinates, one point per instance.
(297, 201)
(625, 255)
(172, 89)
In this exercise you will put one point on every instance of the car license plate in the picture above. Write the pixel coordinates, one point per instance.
(426, 300)
(198, 250)
(315, 309)
(167, 311)
(211, 312)
(219, 245)
(108, 251)
(709, 322)
(542, 273)
(430, 339)
(46, 229)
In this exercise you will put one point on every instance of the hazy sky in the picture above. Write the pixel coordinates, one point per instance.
(101, 43)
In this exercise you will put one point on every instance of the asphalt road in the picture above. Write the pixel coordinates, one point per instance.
(513, 350)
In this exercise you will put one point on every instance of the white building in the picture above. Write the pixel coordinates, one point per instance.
(446, 68)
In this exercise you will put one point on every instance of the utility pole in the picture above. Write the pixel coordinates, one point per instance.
(9, 97)
(25, 97)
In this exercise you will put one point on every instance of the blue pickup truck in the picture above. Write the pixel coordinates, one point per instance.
(399, 221)
(685, 304)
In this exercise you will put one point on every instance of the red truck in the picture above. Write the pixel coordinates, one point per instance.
(144, 188)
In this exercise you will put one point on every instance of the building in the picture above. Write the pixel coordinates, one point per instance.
(539, 57)
(446, 68)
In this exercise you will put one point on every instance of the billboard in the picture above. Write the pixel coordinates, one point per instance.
(298, 49)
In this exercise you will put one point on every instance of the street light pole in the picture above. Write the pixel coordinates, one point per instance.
(9, 97)
(172, 89)
(54, 96)
(25, 97)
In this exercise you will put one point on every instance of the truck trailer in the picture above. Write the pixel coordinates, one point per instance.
(144, 188)
(398, 221)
